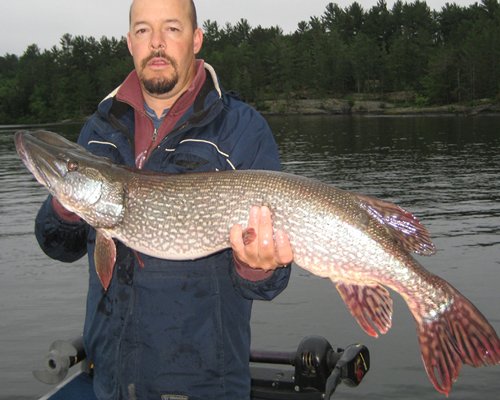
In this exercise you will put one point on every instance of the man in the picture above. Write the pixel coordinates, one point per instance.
(173, 329)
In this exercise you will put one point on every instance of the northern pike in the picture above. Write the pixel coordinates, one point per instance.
(362, 244)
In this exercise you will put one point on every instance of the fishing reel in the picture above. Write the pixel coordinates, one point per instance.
(318, 366)
(318, 369)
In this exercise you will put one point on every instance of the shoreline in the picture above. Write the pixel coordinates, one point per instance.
(328, 107)
(334, 106)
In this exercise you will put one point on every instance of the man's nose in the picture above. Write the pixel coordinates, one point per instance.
(157, 41)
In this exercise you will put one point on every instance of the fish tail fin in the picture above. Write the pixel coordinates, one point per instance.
(459, 335)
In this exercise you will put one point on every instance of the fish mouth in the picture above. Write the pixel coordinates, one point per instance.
(45, 154)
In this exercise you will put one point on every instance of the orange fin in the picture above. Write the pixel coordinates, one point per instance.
(459, 335)
(370, 305)
(403, 225)
(104, 258)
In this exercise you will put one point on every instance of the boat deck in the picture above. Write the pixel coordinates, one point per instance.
(79, 387)
(311, 372)
(76, 387)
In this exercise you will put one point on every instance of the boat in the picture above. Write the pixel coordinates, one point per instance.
(312, 372)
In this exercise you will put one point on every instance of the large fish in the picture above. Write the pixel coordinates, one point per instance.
(360, 243)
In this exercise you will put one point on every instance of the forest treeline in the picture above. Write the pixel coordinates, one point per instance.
(442, 56)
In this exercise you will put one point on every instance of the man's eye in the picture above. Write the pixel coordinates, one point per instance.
(140, 31)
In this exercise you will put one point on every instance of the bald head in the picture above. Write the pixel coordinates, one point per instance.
(164, 41)
(192, 13)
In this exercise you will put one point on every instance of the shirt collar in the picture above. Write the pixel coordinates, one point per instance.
(152, 114)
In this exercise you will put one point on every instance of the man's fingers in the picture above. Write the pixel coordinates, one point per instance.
(236, 239)
(258, 245)
(249, 235)
(266, 235)
(284, 254)
(254, 217)
(252, 246)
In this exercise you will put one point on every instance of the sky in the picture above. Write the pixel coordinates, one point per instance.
(44, 22)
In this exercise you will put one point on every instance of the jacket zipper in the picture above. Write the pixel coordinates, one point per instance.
(174, 133)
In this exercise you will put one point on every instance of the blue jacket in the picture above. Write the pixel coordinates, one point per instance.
(179, 328)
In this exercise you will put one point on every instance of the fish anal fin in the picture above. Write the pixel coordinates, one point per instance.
(403, 225)
(371, 306)
(104, 258)
(458, 335)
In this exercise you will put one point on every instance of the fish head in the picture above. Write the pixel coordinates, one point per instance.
(83, 183)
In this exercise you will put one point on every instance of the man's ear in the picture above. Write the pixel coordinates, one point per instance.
(197, 40)
(129, 44)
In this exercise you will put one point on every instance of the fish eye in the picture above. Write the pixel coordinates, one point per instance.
(72, 166)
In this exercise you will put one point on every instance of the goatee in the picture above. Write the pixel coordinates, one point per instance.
(159, 85)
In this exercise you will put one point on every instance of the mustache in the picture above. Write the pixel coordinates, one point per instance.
(158, 54)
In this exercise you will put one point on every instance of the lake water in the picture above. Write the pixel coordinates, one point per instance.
(444, 169)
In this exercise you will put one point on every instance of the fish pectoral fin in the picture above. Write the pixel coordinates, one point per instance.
(104, 258)
(404, 227)
(371, 306)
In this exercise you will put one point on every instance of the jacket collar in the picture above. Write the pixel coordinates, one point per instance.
(122, 115)
(130, 92)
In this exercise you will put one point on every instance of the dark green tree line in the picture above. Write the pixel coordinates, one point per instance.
(65, 82)
(444, 56)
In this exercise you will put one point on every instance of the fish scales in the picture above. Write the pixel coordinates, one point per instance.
(189, 216)
(360, 243)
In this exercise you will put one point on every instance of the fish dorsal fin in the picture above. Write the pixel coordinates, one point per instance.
(371, 306)
(104, 258)
(403, 225)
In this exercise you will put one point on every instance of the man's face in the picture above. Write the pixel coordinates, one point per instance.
(163, 44)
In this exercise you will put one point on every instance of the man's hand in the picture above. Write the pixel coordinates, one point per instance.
(258, 246)
(64, 214)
